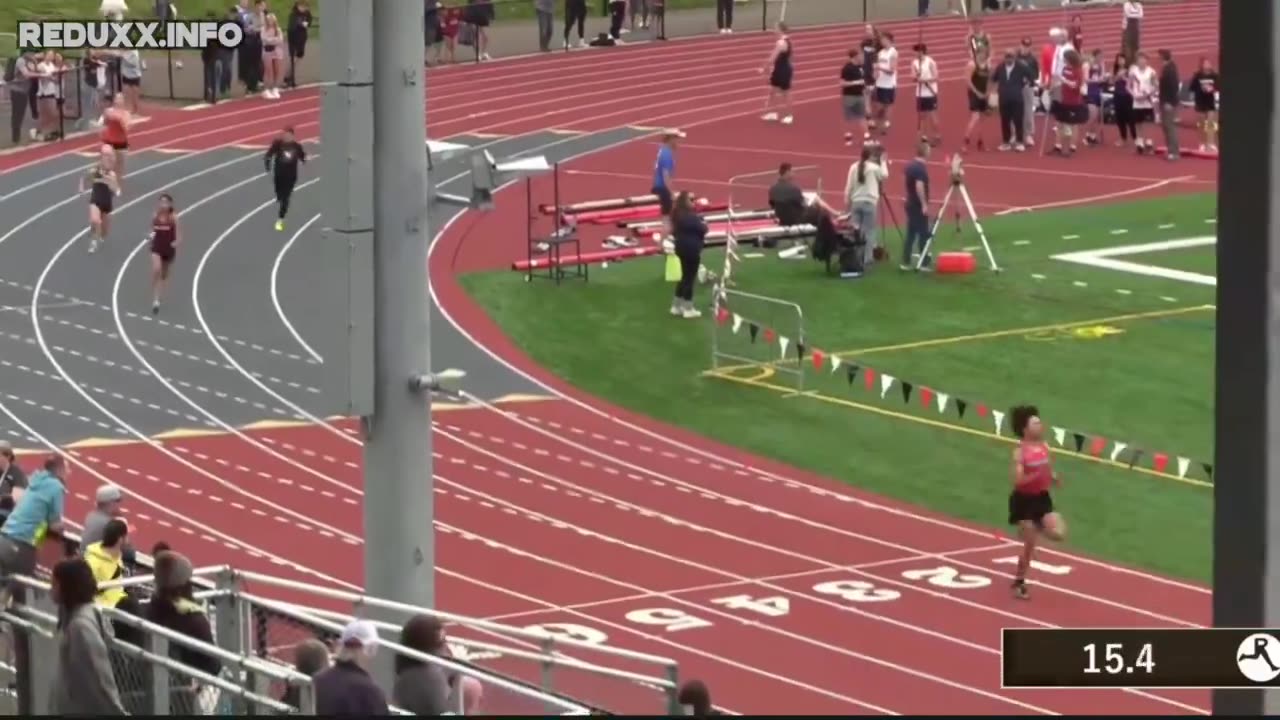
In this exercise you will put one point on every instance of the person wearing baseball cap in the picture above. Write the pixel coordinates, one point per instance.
(346, 688)
(107, 507)
(11, 476)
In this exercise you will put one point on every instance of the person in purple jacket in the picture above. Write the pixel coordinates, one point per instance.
(346, 689)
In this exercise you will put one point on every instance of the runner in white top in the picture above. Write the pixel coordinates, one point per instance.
(886, 81)
(1143, 85)
(924, 71)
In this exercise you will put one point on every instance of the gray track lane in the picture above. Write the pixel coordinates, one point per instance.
(79, 323)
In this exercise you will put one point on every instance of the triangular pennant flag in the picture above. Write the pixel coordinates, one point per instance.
(722, 315)
(737, 323)
(942, 402)
(753, 330)
(982, 410)
(783, 342)
(869, 379)
(906, 391)
(1059, 436)
(999, 418)
(800, 349)
(1208, 469)
(926, 397)
(1183, 466)
(1135, 456)
(818, 358)
(1097, 445)
(1079, 441)
(886, 382)
(961, 406)
(1159, 461)
(1115, 452)
(852, 372)
(835, 365)
(769, 335)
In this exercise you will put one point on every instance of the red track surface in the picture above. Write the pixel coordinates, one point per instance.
(574, 512)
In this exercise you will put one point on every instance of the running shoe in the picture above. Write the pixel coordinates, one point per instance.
(279, 226)
(1020, 591)
(788, 120)
(769, 117)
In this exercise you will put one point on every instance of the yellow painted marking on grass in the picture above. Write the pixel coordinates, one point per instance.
(843, 402)
(1096, 332)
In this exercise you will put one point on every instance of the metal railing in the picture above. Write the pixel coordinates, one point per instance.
(760, 334)
(149, 680)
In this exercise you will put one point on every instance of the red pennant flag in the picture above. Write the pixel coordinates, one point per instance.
(818, 358)
(722, 315)
(768, 335)
(926, 398)
(869, 379)
(1159, 461)
(982, 410)
(1097, 445)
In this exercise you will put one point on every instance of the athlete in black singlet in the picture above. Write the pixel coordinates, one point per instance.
(103, 186)
(164, 247)
(781, 73)
(282, 160)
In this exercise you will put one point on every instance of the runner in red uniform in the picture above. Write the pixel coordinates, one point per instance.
(115, 132)
(1030, 505)
(1071, 108)
(164, 248)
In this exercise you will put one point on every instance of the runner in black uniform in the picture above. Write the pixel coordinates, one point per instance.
(103, 188)
(1204, 89)
(164, 247)
(281, 161)
(781, 73)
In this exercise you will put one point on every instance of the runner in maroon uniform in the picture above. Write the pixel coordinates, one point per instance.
(1030, 505)
(1071, 108)
(164, 247)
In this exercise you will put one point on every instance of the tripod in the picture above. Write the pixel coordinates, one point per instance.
(957, 188)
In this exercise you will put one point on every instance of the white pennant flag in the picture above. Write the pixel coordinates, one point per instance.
(835, 362)
(1115, 452)
(783, 342)
(886, 382)
(737, 323)
(1183, 466)
(943, 399)
(999, 418)
(1059, 435)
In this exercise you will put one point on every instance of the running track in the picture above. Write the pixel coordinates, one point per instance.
(569, 511)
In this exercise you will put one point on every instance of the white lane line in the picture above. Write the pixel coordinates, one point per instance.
(275, 290)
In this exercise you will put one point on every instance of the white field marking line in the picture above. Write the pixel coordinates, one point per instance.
(73, 300)
(631, 630)
(35, 405)
(1102, 258)
(191, 357)
(694, 589)
(648, 512)
(275, 290)
(49, 355)
(738, 620)
(731, 500)
(1103, 197)
(22, 309)
(125, 367)
(124, 336)
(738, 466)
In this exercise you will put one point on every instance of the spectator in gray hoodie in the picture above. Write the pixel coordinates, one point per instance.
(108, 507)
(84, 683)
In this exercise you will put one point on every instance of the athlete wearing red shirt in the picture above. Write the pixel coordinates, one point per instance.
(1030, 505)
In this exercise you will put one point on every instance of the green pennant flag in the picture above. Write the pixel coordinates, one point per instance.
(753, 330)
(1079, 439)
(906, 391)
(852, 373)
(961, 406)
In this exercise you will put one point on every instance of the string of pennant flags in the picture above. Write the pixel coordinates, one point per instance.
(930, 398)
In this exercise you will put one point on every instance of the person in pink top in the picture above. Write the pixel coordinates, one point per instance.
(1030, 505)
(272, 56)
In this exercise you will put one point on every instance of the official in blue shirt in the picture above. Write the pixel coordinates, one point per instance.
(663, 170)
(38, 514)
(917, 204)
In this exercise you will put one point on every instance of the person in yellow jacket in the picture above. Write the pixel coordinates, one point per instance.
(106, 559)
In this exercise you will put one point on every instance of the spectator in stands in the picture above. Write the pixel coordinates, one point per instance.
(48, 90)
(11, 476)
(109, 506)
(36, 515)
(106, 559)
(249, 54)
(113, 9)
(545, 10)
(617, 17)
(1170, 94)
(426, 689)
(697, 699)
(347, 689)
(227, 57)
(211, 61)
(83, 682)
(272, 56)
(173, 606)
(19, 75)
(160, 547)
(310, 658)
(300, 20)
(575, 13)
(7, 504)
(479, 15)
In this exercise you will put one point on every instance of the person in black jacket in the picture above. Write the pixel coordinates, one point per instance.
(689, 231)
(1170, 101)
(211, 59)
(695, 696)
(1011, 79)
(300, 20)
